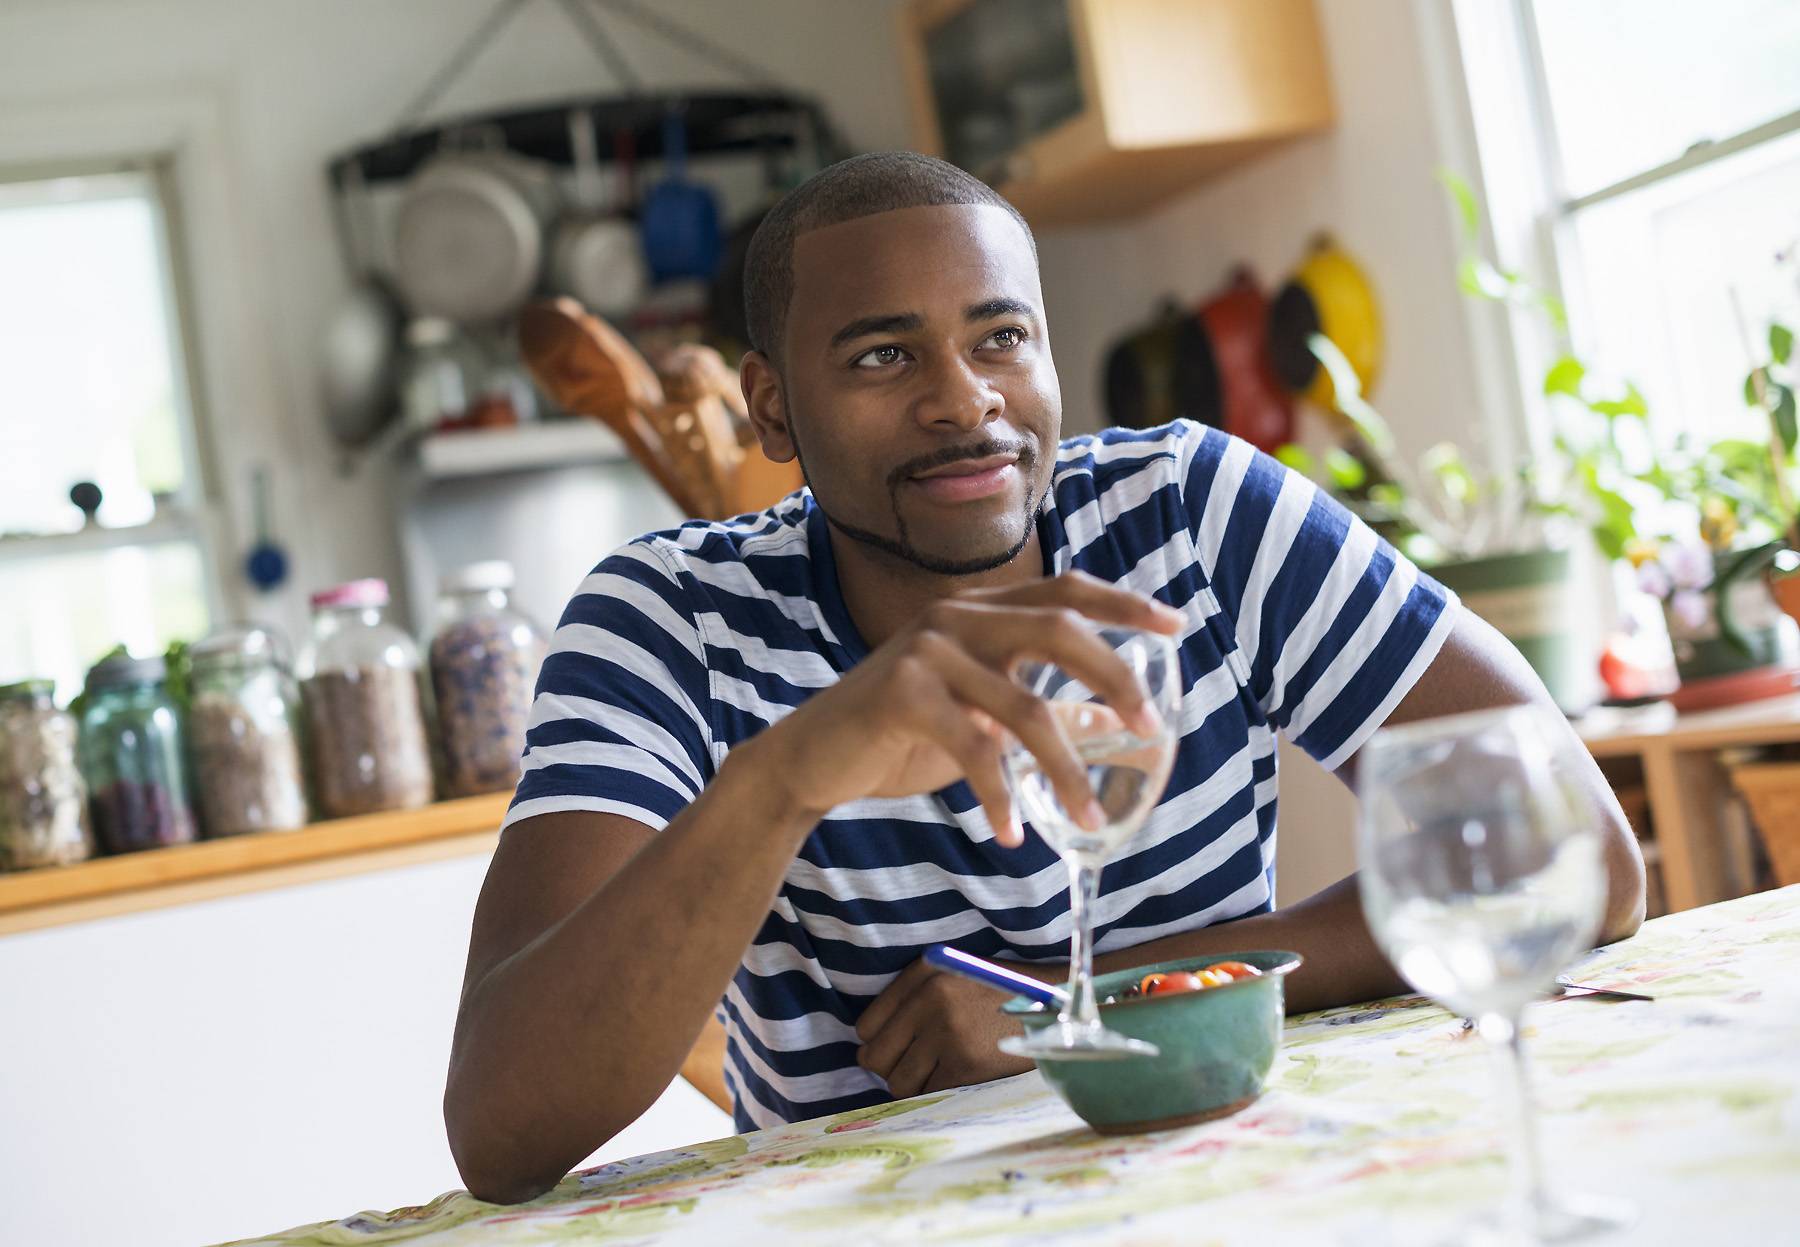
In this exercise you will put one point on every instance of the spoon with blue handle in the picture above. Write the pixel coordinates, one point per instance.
(994, 975)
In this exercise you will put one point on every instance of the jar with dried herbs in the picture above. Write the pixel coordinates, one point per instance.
(244, 729)
(131, 755)
(365, 715)
(484, 661)
(43, 802)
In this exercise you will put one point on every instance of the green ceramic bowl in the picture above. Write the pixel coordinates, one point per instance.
(1217, 1046)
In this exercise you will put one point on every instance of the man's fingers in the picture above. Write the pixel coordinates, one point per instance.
(1027, 717)
(974, 739)
(895, 994)
(1093, 597)
(913, 1070)
(1000, 636)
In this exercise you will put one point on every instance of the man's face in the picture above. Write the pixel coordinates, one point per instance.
(918, 383)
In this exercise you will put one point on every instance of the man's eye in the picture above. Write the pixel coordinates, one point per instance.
(879, 357)
(1009, 338)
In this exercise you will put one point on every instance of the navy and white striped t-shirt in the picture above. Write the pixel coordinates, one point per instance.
(1299, 621)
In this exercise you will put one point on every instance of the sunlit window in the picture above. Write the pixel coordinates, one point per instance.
(1675, 136)
(95, 392)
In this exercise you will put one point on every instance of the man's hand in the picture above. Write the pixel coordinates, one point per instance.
(930, 1030)
(934, 704)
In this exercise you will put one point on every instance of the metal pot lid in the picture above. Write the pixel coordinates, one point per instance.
(121, 670)
(468, 245)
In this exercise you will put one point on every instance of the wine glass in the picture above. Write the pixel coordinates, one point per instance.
(1481, 880)
(1128, 772)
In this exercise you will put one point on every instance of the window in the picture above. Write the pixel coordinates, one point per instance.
(96, 390)
(1671, 136)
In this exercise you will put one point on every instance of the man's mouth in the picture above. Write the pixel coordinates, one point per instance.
(966, 480)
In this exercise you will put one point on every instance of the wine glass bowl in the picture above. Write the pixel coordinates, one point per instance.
(1127, 770)
(1481, 880)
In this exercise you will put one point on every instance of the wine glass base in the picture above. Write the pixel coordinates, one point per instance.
(1556, 1219)
(1067, 1041)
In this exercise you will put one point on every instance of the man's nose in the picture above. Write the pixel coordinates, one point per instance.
(957, 395)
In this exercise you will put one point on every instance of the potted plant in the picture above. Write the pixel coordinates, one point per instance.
(1699, 522)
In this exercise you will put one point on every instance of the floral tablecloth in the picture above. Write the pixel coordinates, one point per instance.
(1378, 1126)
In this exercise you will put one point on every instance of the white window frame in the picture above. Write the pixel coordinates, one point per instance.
(1491, 106)
(190, 519)
(181, 136)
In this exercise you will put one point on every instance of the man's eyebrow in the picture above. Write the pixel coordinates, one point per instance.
(896, 322)
(990, 309)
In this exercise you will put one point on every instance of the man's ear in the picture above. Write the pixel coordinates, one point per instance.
(767, 405)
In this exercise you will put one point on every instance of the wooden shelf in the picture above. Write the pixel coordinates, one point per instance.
(177, 875)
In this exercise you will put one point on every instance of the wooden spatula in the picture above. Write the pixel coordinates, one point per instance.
(587, 367)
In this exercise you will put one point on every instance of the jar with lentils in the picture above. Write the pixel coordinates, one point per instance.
(43, 802)
(132, 756)
(244, 730)
(484, 660)
(365, 715)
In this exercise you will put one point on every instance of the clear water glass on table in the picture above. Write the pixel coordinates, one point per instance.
(1128, 772)
(1482, 878)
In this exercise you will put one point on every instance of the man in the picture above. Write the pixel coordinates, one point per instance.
(763, 772)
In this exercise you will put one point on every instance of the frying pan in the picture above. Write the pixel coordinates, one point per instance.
(1328, 294)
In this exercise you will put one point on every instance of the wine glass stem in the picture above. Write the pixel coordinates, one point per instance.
(1504, 1041)
(1084, 880)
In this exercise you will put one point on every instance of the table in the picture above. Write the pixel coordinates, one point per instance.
(1703, 850)
(1377, 1127)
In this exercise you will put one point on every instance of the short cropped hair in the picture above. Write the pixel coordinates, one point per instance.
(858, 187)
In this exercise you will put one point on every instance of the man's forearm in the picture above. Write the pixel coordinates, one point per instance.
(565, 1042)
(1343, 963)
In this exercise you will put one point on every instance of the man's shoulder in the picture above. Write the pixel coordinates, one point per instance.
(1113, 455)
(699, 545)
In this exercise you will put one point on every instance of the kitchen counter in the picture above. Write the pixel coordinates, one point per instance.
(176, 875)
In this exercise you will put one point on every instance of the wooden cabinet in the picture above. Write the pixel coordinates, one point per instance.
(1089, 110)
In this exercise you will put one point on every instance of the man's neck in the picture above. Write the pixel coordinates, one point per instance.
(884, 593)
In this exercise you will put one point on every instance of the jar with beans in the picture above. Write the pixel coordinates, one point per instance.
(131, 754)
(43, 801)
(365, 716)
(484, 661)
(244, 729)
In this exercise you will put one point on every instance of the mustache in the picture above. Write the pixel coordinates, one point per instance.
(986, 449)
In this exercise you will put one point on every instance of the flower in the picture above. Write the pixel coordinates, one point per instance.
(1690, 608)
(1639, 551)
(1652, 579)
(1689, 566)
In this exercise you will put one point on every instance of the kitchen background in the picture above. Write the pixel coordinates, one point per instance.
(270, 1057)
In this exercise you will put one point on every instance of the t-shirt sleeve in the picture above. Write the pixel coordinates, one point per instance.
(617, 724)
(1331, 624)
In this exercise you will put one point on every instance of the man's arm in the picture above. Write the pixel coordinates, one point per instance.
(929, 1030)
(599, 950)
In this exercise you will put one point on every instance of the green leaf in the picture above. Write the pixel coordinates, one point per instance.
(1387, 496)
(1481, 279)
(1565, 377)
(1632, 404)
(1553, 307)
(1462, 194)
(1781, 342)
(1346, 471)
(1754, 385)
(1293, 455)
(1784, 419)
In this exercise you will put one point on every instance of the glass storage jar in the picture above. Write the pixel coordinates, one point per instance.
(132, 756)
(244, 729)
(484, 660)
(359, 679)
(43, 802)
